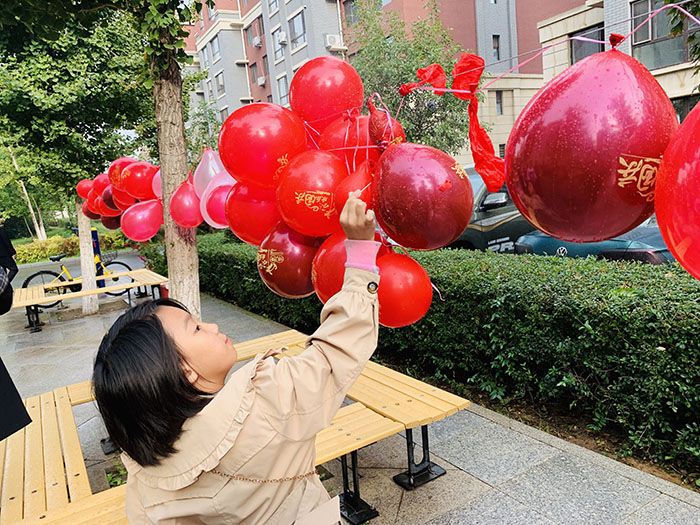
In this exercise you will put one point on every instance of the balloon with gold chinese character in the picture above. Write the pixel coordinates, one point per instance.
(678, 194)
(284, 261)
(582, 158)
(305, 195)
(422, 197)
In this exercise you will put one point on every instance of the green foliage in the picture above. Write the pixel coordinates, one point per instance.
(37, 251)
(615, 341)
(390, 54)
(118, 475)
(202, 132)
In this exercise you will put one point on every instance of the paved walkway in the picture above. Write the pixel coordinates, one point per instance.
(499, 471)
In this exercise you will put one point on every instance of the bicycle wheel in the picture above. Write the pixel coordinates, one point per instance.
(117, 267)
(42, 278)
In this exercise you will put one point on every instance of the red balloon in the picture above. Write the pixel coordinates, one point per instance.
(216, 204)
(105, 210)
(100, 183)
(383, 129)
(251, 212)
(89, 213)
(142, 220)
(361, 179)
(305, 195)
(422, 197)
(108, 198)
(111, 223)
(258, 140)
(121, 198)
(328, 269)
(284, 261)
(115, 170)
(137, 180)
(84, 187)
(582, 157)
(349, 132)
(91, 204)
(184, 206)
(323, 89)
(678, 194)
(405, 291)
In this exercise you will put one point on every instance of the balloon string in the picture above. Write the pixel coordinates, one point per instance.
(369, 146)
(387, 125)
(345, 146)
(363, 189)
(307, 125)
(437, 290)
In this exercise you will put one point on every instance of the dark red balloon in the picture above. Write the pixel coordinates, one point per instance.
(384, 130)
(142, 220)
(137, 180)
(108, 198)
(581, 160)
(251, 212)
(323, 89)
(100, 183)
(306, 193)
(121, 198)
(216, 203)
(348, 138)
(678, 194)
(115, 170)
(258, 140)
(422, 197)
(328, 269)
(111, 223)
(361, 179)
(405, 291)
(184, 206)
(284, 261)
(84, 187)
(89, 213)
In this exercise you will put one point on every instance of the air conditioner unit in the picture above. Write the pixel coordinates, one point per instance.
(257, 41)
(334, 43)
(282, 38)
(261, 81)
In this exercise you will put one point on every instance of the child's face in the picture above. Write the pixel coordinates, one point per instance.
(208, 353)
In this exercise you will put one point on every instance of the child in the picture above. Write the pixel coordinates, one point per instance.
(201, 451)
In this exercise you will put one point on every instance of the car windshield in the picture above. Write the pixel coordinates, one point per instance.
(476, 182)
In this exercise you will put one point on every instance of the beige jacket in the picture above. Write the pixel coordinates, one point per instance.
(261, 427)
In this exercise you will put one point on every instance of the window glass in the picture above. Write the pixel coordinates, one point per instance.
(249, 35)
(496, 47)
(273, 5)
(499, 102)
(215, 49)
(279, 50)
(297, 30)
(220, 87)
(350, 12)
(264, 67)
(581, 49)
(283, 90)
(254, 72)
(223, 114)
(210, 90)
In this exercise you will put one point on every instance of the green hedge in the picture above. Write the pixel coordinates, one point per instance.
(615, 341)
(40, 250)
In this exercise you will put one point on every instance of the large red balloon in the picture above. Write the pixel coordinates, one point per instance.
(258, 140)
(284, 261)
(361, 179)
(405, 291)
(678, 194)
(91, 201)
(306, 196)
(84, 187)
(581, 160)
(115, 170)
(328, 268)
(137, 180)
(251, 212)
(142, 220)
(323, 89)
(89, 213)
(422, 197)
(216, 203)
(348, 138)
(100, 183)
(111, 223)
(184, 206)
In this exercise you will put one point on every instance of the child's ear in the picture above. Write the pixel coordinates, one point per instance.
(190, 373)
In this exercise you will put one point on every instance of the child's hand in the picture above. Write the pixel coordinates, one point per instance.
(357, 223)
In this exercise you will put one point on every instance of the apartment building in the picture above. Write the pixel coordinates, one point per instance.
(666, 56)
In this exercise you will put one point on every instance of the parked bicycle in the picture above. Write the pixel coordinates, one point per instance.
(105, 265)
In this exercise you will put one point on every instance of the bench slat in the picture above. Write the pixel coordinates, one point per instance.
(370, 394)
(78, 483)
(12, 490)
(80, 393)
(3, 444)
(104, 507)
(54, 475)
(250, 349)
(34, 490)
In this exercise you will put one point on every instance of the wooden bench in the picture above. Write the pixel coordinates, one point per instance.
(36, 488)
(33, 297)
(397, 396)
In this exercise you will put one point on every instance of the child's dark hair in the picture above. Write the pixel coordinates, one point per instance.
(141, 390)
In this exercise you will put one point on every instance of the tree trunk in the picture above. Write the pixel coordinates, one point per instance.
(31, 233)
(26, 198)
(42, 230)
(87, 259)
(180, 243)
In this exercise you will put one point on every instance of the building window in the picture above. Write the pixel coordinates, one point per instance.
(205, 58)
(215, 49)
(264, 66)
(211, 13)
(350, 12)
(223, 114)
(581, 49)
(385, 2)
(494, 2)
(496, 47)
(261, 27)
(499, 102)
(220, 87)
(297, 30)
(210, 90)
(684, 105)
(269, 99)
(501, 147)
(254, 72)
(249, 35)
(652, 44)
(273, 5)
(279, 50)
(283, 90)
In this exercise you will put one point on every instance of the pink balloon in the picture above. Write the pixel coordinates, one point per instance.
(209, 167)
(184, 206)
(222, 179)
(216, 203)
(157, 185)
(142, 220)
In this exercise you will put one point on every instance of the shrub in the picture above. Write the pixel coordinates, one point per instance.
(617, 342)
(36, 251)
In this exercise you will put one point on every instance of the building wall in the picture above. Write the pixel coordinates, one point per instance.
(496, 18)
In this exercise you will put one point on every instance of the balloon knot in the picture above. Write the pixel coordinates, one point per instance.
(616, 39)
(404, 90)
